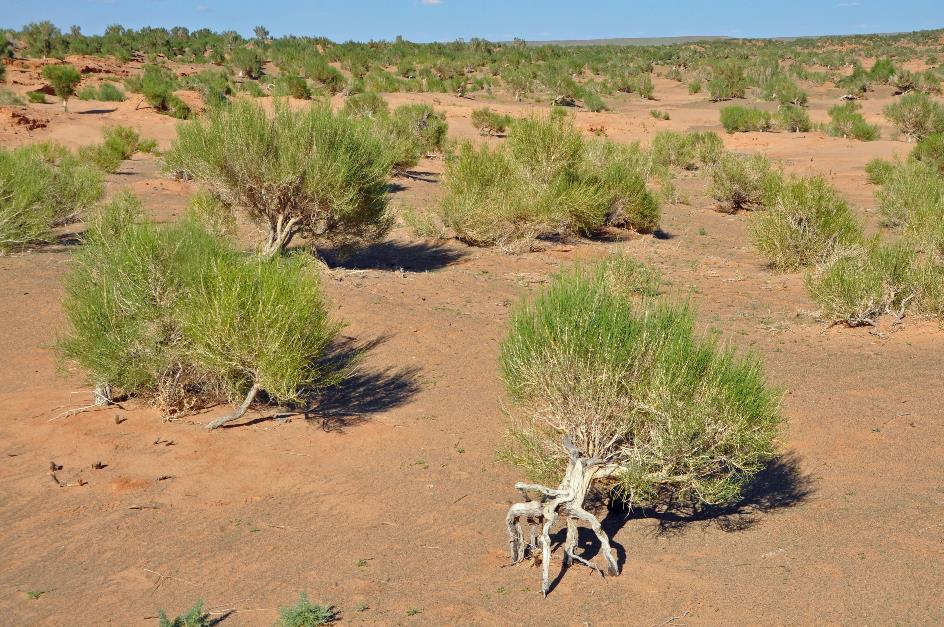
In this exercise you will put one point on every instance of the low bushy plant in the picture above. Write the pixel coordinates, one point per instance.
(794, 119)
(688, 151)
(845, 120)
(304, 614)
(727, 81)
(930, 150)
(593, 102)
(879, 171)
(489, 122)
(916, 115)
(157, 84)
(105, 92)
(738, 119)
(365, 105)
(64, 78)
(741, 182)
(806, 222)
(120, 143)
(195, 617)
(911, 199)
(247, 61)
(293, 86)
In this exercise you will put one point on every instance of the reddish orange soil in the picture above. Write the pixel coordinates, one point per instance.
(391, 496)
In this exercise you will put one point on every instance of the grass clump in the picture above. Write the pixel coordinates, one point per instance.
(545, 181)
(64, 78)
(489, 122)
(293, 86)
(916, 115)
(741, 182)
(688, 151)
(794, 119)
(36, 97)
(846, 121)
(304, 614)
(738, 119)
(105, 92)
(659, 114)
(593, 102)
(120, 143)
(195, 617)
(304, 173)
(806, 222)
(42, 186)
(176, 316)
(680, 418)
(930, 150)
(727, 82)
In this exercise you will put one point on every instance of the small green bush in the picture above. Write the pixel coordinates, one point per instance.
(366, 105)
(794, 119)
(297, 173)
(214, 85)
(157, 84)
(247, 61)
(688, 151)
(36, 97)
(930, 150)
(304, 614)
(741, 182)
(195, 617)
(846, 121)
(489, 122)
(738, 119)
(784, 91)
(916, 115)
(42, 186)
(694, 86)
(911, 199)
(806, 222)
(292, 85)
(659, 114)
(63, 78)
(679, 417)
(727, 82)
(9, 98)
(879, 171)
(593, 102)
(120, 143)
(106, 92)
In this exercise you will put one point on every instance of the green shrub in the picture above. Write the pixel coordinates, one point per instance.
(784, 91)
(659, 114)
(593, 102)
(911, 199)
(489, 122)
(686, 150)
(304, 614)
(310, 173)
(247, 61)
(214, 85)
(291, 85)
(738, 119)
(252, 88)
(176, 316)
(106, 92)
(120, 143)
(9, 98)
(806, 222)
(879, 171)
(421, 121)
(365, 105)
(882, 70)
(727, 82)
(916, 115)
(794, 119)
(694, 86)
(63, 78)
(678, 417)
(846, 121)
(157, 84)
(857, 83)
(639, 83)
(930, 150)
(741, 182)
(42, 186)
(195, 617)
(37, 97)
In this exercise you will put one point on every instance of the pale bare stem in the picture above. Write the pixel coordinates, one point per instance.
(240, 411)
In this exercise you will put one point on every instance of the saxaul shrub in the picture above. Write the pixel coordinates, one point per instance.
(120, 143)
(806, 222)
(42, 186)
(293, 86)
(247, 62)
(930, 150)
(727, 81)
(793, 119)
(741, 182)
(738, 119)
(783, 90)
(688, 151)
(308, 173)
(305, 614)
(593, 102)
(157, 85)
(879, 171)
(911, 200)
(845, 120)
(64, 78)
(489, 122)
(365, 105)
(916, 115)
(105, 92)
(176, 316)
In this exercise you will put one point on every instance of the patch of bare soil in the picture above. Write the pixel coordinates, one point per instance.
(389, 495)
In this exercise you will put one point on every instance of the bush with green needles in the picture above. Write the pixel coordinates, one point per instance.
(879, 171)
(64, 78)
(846, 121)
(593, 102)
(247, 61)
(688, 151)
(304, 614)
(175, 315)
(195, 617)
(911, 199)
(489, 122)
(120, 143)
(727, 81)
(916, 115)
(930, 150)
(366, 105)
(806, 222)
(794, 119)
(42, 186)
(106, 92)
(646, 407)
(741, 182)
(304, 173)
(157, 84)
(738, 119)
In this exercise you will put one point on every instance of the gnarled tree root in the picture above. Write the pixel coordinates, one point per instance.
(240, 411)
(566, 500)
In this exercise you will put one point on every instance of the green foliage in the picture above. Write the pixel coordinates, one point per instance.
(310, 172)
(694, 86)
(247, 61)
(63, 78)
(42, 186)
(688, 151)
(629, 379)
(365, 105)
(120, 143)
(784, 91)
(659, 114)
(741, 182)
(9, 98)
(42, 39)
(106, 92)
(916, 115)
(489, 122)
(175, 315)
(856, 83)
(911, 199)
(727, 81)
(593, 102)
(638, 83)
(882, 71)
(195, 617)
(738, 119)
(846, 121)
(879, 171)
(304, 614)
(794, 119)
(545, 181)
(37, 97)
(214, 85)
(294, 86)
(157, 84)
(806, 222)
(930, 150)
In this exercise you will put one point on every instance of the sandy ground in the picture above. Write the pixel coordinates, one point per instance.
(390, 498)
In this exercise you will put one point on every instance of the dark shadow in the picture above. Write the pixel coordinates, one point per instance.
(663, 235)
(393, 188)
(97, 111)
(419, 175)
(393, 255)
(219, 619)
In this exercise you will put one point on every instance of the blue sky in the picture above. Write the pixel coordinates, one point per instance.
(444, 20)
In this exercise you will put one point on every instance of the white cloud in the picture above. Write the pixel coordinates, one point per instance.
(430, 2)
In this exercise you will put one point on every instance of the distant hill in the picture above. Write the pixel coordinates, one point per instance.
(629, 41)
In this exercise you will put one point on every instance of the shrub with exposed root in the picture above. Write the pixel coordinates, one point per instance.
(845, 120)
(916, 115)
(618, 393)
(741, 182)
(304, 173)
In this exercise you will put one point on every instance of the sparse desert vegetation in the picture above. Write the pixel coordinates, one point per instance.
(287, 313)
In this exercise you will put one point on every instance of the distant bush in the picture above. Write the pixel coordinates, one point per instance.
(157, 84)
(846, 121)
(365, 105)
(879, 171)
(694, 86)
(857, 83)
(488, 122)
(659, 114)
(794, 119)
(916, 115)
(741, 182)
(784, 91)
(882, 70)
(120, 143)
(247, 61)
(37, 97)
(292, 85)
(42, 186)
(106, 92)
(806, 222)
(304, 614)
(176, 316)
(63, 78)
(298, 173)
(593, 102)
(214, 85)
(930, 150)
(686, 150)
(639, 83)
(737, 119)
(911, 199)
(195, 617)
(727, 81)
